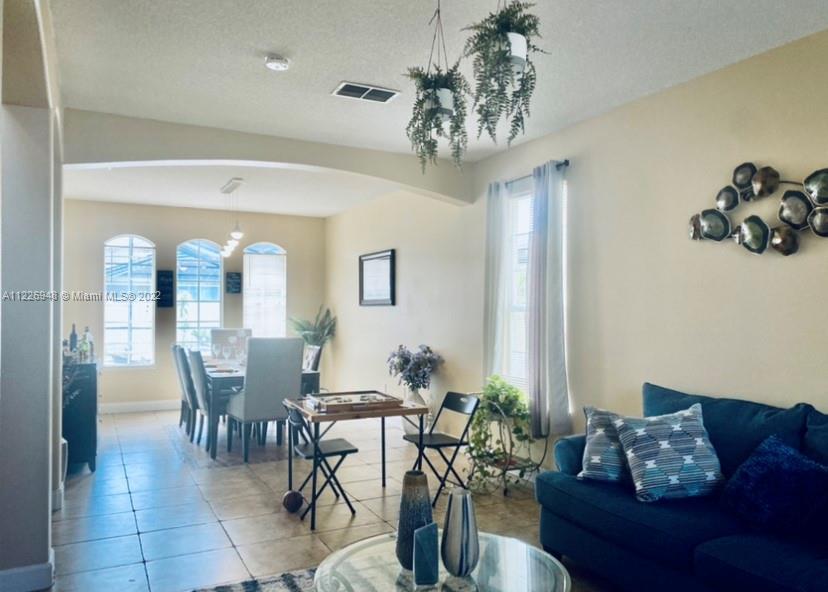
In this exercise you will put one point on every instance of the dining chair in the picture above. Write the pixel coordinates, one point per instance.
(460, 403)
(189, 403)
(195, 365)
(335, 447)
(273, 373)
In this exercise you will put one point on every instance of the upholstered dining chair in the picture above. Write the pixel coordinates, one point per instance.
(189, 403)
(274, 373)
(195, 365)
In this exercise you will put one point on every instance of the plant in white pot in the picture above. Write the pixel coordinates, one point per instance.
(439, 112)
(414, 370)
(501, 47)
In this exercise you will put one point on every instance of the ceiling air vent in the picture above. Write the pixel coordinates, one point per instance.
(365, 92)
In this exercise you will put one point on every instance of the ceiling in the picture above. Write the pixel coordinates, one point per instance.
(201, 61)
(277, 190)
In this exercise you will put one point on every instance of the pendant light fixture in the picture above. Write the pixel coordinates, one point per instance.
(229, 189)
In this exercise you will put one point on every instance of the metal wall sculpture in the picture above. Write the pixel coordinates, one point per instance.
(799, 211)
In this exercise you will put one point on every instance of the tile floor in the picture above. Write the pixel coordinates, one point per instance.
(159, 515)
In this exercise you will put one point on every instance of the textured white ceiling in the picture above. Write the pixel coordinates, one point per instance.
(201, 61)
(273, 190)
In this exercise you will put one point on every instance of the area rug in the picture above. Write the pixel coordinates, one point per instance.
(290, 581)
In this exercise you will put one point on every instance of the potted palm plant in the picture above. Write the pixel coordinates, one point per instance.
(317, 332)
(439, 112)
(501, 46)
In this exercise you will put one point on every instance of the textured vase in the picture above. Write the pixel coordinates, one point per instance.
(415, 512)
(460, 548)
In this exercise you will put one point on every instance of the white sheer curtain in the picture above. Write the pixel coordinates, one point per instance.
(495, 290)
(546, 350)
(265, 294)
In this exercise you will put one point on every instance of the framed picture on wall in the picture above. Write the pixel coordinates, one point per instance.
(377, 279)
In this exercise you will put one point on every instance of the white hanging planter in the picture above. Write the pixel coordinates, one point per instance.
(445, 106)
(518, 50)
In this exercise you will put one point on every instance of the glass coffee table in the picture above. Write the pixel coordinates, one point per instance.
(506, 565)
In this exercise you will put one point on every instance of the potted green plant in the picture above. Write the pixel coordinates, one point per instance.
(316, 333)
(439, 112)
(414, 370)
(499, 437)
(501, 46)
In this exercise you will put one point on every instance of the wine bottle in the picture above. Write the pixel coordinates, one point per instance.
(73, 339)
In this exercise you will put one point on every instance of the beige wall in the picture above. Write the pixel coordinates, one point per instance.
(439, 250)
(88, 224)
(647, 303)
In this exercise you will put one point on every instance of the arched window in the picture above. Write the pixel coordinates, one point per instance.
(265, 290)
(129, 305)
(197, 292)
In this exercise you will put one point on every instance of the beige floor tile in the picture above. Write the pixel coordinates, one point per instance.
(337, 539)
(92, 555)
(246, 506)
(81, 506)
(130, 578)
(185, 572)
(185, 540)
(239, 487)
(339, 516)
(166, 480)
(268, 527)
(93, 528)
(364, 490)
(387, 508)
(92, 485)
(160, 498)
(349, 474)
(174, 516)
(274, 557)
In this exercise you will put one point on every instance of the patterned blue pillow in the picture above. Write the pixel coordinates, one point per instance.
(670, 456)
(603, 456)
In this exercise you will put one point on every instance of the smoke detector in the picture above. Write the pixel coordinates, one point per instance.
(277, 63)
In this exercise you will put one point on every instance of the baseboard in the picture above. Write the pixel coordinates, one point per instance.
(57, 498)
(140, 406)
(28, 578)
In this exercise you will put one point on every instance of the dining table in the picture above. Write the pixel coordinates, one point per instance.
(226, 377)
(315, 417)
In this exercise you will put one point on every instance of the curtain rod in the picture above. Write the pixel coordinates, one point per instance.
(560, 164)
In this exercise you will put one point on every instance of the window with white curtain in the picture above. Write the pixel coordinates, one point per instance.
(265, 290)
(198, 275)
(129, 309)
(517, 236)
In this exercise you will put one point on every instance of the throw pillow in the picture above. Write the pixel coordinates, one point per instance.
(670, 456)
(603, 456)
(778, 489)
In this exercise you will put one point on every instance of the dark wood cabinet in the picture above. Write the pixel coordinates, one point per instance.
(80, 411)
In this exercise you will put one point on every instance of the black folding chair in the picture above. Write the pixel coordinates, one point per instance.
(463, 404)
(335, 447)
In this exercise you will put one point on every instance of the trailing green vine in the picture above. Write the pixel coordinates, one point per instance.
(498, 92)
(427, 124)
(499, 436)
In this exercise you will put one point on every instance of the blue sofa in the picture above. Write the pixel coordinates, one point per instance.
(690, 545)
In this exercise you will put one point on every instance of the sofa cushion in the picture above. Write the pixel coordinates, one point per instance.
(667, 532)
(735, 427)
(603, 457)
(569, 451)
(779, 490)
(761, 563)
(670, 456)
(816, 436)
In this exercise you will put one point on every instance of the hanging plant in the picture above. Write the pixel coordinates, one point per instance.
(439, 112)
(501, 46)
(439, 104)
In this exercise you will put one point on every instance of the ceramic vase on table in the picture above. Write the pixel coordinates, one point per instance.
(409, 425)
(460, 548)
(415, 512)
